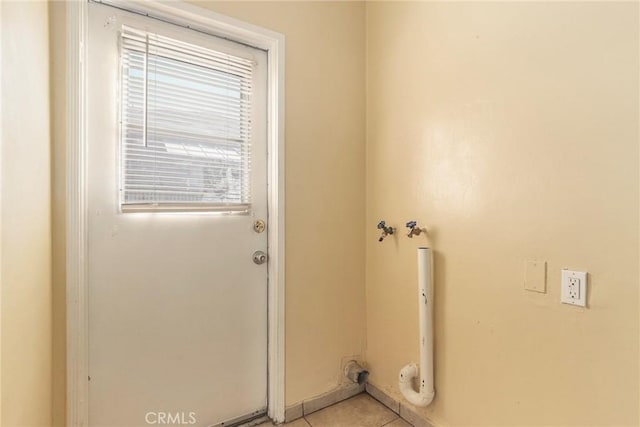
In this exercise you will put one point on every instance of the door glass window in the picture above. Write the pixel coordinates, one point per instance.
(185, 126)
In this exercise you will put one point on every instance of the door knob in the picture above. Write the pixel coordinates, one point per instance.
(259, 257)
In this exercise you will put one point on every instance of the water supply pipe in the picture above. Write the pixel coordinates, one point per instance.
(425, 315)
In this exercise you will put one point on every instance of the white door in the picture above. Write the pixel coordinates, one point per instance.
(176, 180)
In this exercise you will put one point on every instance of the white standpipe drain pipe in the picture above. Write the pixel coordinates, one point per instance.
(425, 308)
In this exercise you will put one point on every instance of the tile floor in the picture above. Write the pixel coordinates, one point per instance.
(359, 411)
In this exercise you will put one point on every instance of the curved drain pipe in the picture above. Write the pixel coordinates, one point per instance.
(425, 309)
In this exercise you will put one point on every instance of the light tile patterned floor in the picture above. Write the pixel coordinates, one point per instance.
(359, 411)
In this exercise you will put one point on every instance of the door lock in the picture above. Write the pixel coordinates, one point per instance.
(259, 226)
(259, 257)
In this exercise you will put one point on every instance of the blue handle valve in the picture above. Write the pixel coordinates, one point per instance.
(386, 231)
(413, 229)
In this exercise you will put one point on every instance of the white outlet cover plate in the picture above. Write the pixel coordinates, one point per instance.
(574, 288)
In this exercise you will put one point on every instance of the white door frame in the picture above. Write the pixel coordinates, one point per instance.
(77, 232)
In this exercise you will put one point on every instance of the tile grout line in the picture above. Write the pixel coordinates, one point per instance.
(393, 420)
(375, 401)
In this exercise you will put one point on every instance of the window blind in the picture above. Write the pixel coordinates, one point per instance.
(185, 126)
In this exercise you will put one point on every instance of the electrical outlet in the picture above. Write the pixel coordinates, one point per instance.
(574, 288)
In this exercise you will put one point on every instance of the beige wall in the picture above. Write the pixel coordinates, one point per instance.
(26, 229)
(509, 130)
(325, 155)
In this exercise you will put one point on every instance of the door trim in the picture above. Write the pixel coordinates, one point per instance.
(215, 24)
